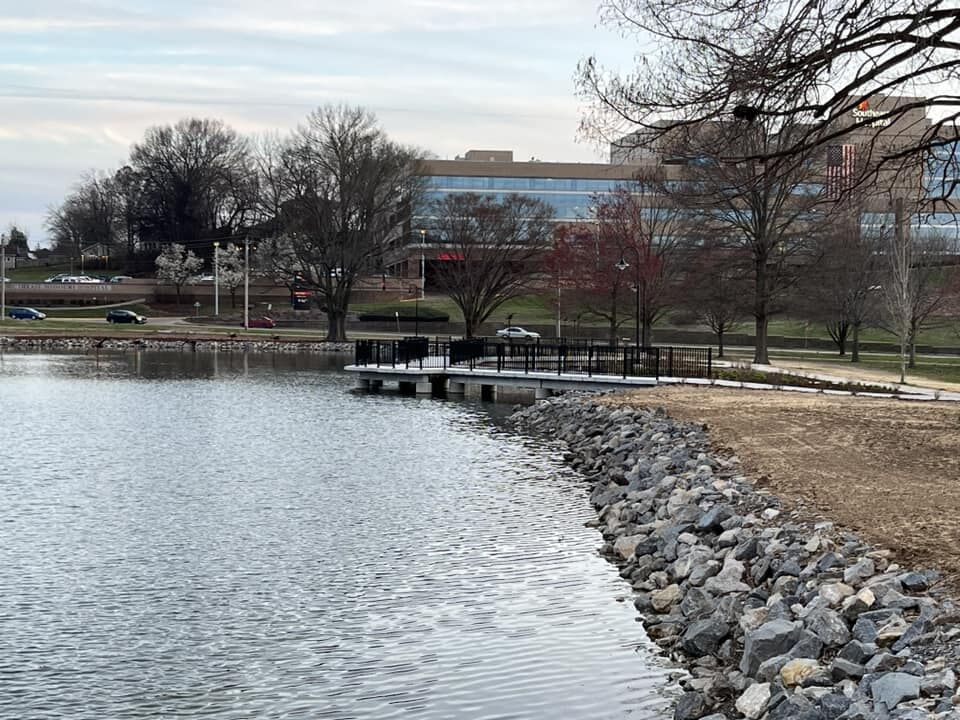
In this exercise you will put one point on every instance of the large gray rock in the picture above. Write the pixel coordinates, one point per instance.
(795, 707)
(697, 604)
(713, 518)
(808, 646)
(690, 706)
(833, 705)
(703, 637)
(842, 669)
(917, 581)
(729, 579)
(858, 652)
(769, 640)
(865, 630)
(769, 670)
(827, 625)
(754, 700)
(893, 688)
(857, 573)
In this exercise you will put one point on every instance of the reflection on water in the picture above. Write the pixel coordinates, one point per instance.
(241, 536)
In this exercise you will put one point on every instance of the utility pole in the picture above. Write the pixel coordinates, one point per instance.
(216, 278)
(246, 283)
(3, 278)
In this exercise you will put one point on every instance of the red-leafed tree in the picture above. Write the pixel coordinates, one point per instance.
(641, 219)
(583, 265)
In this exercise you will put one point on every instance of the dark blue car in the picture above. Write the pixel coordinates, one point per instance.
(25, 313)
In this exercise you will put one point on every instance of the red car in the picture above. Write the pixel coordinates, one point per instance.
(262, 322)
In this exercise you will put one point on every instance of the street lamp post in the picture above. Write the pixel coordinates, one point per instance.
(246, 283)
(423, 276)
(216, 278)
(3, 278)
(621, 266)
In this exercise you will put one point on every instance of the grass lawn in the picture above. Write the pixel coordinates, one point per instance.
(929, 367)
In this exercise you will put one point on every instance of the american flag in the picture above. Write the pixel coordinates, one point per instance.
(840, 163)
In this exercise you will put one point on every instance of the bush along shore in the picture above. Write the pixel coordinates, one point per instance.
(172, 343)
(771, 616)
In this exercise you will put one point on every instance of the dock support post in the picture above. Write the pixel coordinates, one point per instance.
(362, 383)
(456, 388)
(424, 387)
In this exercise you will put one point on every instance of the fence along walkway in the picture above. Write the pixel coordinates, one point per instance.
(564, 358)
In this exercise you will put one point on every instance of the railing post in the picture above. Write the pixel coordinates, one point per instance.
(656, 363)
(670, 360)
(590, 361)
(625, 362)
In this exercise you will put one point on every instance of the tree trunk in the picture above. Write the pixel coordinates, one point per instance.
(855, 344)
(646, 339)
(913, 354)
(233, 298)
(720, 342)
(336, 325)
(760, 354)
(760, 310)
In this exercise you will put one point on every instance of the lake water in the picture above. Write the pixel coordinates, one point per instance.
(243, 536)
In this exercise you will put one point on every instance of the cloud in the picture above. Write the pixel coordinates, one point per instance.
(81, 80)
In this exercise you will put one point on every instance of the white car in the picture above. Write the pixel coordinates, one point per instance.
(514, 333)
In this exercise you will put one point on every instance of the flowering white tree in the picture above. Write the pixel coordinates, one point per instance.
(230, 270)
(177, 266)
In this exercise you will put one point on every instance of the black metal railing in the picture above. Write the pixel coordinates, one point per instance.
(559, 358)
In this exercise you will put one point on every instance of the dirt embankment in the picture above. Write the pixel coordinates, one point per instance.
(890, 470)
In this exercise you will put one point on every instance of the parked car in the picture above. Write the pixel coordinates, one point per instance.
(121, 278)
(202, 278)
(26, 313)
(125, 316)
(71, 279)
(517, 333)
(262, 322)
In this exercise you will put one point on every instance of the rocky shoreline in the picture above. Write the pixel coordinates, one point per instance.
(772, 616)
(173, 343)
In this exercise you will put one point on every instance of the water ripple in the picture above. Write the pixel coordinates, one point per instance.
(240, 537)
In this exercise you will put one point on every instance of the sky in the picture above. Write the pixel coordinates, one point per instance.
(81, 80)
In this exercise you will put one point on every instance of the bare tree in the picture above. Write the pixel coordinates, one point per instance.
(178, 266)
(88, 216)
(645, 223)
(813, 65)
(586, 260)
(917, 285)
(716, 288)
(496, 248)
(841, 289)
(196, 182)
(339, 188)
(767, 212)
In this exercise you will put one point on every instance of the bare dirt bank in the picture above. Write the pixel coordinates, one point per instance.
(890, 470)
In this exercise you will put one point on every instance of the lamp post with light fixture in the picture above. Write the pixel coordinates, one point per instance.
(621, 266)
(3, 278)
(423, 275)
(246, 283)
(216, 278)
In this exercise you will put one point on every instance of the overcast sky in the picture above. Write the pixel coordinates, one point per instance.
(80, 80)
